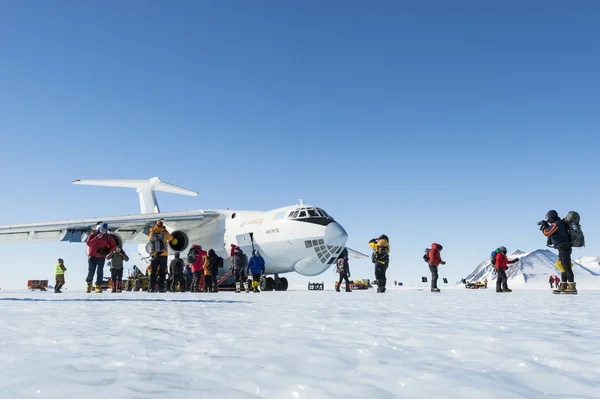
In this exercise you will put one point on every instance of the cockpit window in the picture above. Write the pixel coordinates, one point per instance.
(308, 212)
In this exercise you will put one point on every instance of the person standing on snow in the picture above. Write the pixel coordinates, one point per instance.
(215, 263)
(501, 266)
(240, 264)
(60, 276)
(176, 270)
(256, 267)
(187, 273)
(556, 229)
(343, 269)
(435, 259)
(159, 237)
(551, 281)
(100, 244)
(556, 281)
(380, 259)
(117, 257)
(197, 270)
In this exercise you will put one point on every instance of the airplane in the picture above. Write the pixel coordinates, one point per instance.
(297, 238)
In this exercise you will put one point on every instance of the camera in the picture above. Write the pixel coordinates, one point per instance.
(541, 222)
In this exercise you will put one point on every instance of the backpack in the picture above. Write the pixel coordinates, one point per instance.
(426, 256)
(219, 261)
(493, 257)
(192, 255)
(157, 243)
(574, 229)
(340, 266)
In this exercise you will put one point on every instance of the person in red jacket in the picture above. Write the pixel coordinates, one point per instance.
(501, 265)
(435, 259)
(197, 270)
(100, 244)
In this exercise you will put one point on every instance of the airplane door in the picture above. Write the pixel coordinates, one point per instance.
(245, 241)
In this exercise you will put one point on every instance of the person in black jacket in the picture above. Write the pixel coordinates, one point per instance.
(343, 268)
(556, 229)
(176, 271)
(214, 263)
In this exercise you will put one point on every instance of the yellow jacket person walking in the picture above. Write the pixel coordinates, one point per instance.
(60, 276)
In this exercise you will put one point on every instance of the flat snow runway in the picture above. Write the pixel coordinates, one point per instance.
(300, 344)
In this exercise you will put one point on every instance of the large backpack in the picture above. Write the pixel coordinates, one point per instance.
(426, 256)
(158, 242)
(493, 257)
(575, 233)
(192, 255)
(219, 261)
(340, 266)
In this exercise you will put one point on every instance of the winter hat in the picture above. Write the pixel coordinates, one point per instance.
(552, 216)
(502, 249)
(103, 226)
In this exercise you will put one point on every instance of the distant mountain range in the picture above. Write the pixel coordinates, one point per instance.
(535, 266)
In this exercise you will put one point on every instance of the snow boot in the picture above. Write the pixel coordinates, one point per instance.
(435, 290)
(114, 289)
(98, 289)
(237, 288)
(561, 288)
(88, 289)
(571, 288)
(506, 290)
(337, 287)
(348, 288)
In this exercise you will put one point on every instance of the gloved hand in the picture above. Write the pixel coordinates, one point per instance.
(516, 259)
(544, 226)
(442, 263)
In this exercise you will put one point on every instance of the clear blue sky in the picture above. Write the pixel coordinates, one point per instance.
(457, 122)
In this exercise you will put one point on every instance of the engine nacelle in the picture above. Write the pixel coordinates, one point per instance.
(117, 238)
(180, 241)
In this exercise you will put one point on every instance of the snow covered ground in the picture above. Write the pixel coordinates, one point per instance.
(301, 344)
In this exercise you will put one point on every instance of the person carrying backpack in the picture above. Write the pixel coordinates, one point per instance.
(343, 269)
(176, 270)
(501, 265)
(215, 263)
(60, 276)
(240, 264)
(158, 241)
(435, 259)
(557, 231)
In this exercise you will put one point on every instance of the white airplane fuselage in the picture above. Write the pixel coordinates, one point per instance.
(306, 245)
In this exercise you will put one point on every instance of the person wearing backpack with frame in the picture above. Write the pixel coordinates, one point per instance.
(159, 238)
(557, 230)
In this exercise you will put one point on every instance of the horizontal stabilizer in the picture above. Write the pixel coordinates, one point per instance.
(145, 188)
(355, 254)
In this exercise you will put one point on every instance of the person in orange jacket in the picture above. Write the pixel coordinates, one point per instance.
(435, 259)
(159, 237)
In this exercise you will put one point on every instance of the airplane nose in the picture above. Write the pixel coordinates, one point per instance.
(335, 235)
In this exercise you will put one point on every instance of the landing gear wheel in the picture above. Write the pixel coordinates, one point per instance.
(283, 284)
(266, 284)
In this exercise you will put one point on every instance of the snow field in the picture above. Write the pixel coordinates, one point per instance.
(301, 344)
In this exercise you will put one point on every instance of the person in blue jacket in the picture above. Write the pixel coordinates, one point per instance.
(256, 267)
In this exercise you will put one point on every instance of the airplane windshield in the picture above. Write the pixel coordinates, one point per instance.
(308, 212)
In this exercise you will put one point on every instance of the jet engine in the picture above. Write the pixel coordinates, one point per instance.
(180, 241)
(117, 238)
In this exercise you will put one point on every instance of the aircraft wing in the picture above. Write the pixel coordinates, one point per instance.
(131, 228)
(355, 254)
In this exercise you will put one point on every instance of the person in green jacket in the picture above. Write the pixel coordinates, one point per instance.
(60, 276)
(117, 257)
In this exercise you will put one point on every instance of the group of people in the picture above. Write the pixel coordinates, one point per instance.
(553, 280)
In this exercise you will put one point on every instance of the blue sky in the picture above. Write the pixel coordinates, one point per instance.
(459, 122)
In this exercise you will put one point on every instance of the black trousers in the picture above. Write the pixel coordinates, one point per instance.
(178, 279)
(434, 276)
(208, 283)
(502, 280)
(116, 275)
(343, 276)
(156, 262)
(564, 254)
(380, 269)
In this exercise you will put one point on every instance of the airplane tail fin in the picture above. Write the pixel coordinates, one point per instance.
(145, 189)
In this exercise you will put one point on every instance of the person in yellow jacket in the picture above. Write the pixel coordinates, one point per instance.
(208, 287)
(159, 243)
(60, 276)
(380, 259)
